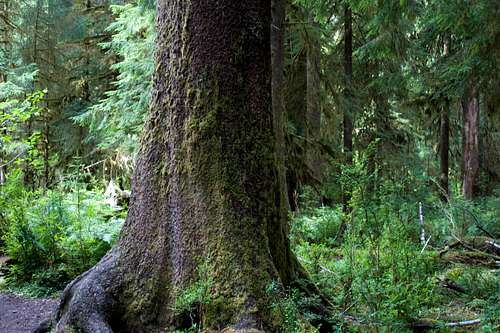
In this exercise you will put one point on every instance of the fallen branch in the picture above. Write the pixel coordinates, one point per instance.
(468, 247)
(495, 245)
(463, 323)
(476, 222)
(424, 326)
(452, 285)
(486, 247)
(13, 160)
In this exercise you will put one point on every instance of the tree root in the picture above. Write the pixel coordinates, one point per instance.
(95, 303)
(86, 303)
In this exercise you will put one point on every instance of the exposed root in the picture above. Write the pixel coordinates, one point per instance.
(86, 303)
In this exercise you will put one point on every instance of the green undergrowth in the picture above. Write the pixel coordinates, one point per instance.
(53, 236)
(379, 272)
(191, 303)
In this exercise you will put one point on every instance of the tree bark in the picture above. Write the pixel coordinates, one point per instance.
(470, 106)
(206, 189)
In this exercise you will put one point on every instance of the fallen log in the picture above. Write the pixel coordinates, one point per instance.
(423, 326)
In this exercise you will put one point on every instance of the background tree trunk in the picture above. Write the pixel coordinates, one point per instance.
(348, 125)
(444, 148)
(207, 188)
(444, 138)
(470, 106)
(347, 121)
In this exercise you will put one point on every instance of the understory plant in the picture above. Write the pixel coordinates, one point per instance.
(55, 235)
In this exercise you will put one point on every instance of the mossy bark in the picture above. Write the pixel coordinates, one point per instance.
(207, 187)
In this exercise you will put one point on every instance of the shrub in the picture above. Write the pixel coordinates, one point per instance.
(54, 236)
(319, 225)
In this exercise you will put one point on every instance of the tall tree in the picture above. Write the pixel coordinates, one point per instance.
(470, 106)
(444, 139)
(347, 110)
(206, 188)
(444, 148)
(347, 123)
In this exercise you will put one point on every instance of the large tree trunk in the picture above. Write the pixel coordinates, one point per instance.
(206, 187)
(470, 106)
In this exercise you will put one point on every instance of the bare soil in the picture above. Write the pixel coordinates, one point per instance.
(22, 315)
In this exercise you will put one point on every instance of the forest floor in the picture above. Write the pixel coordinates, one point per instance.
(20, 314)
(23, 315)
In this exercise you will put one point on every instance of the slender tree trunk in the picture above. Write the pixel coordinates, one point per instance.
(2, 154)
(313, 128)
(206, 190)
(444, 139)
(46, 148)
(4, 8)
(444, 148)
(348, 125)
(347, 122)
(29, 174)
(470, 106)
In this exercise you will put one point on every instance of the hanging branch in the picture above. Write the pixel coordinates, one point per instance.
(13, 160)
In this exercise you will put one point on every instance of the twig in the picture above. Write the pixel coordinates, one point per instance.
(94, 164)
(476, 222)
(422, 251)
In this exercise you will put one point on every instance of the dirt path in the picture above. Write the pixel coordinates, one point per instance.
(21, 315)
